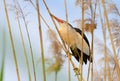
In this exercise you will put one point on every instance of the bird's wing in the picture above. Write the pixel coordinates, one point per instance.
(80, 32)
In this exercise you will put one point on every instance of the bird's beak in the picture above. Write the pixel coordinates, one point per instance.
(57, 19)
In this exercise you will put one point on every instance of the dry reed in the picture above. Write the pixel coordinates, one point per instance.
(111, 38)
(108, 71)
(22, 39)
(69, 72)
(104, 36)
(12, 42)
(41, 40)
(29, 41)
(81, 59)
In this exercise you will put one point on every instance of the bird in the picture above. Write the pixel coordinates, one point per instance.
(73, 38)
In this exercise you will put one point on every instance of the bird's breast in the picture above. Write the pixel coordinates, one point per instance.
(68, 35)
(73, 39)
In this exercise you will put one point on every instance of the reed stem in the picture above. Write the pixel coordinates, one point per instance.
(41, 40)
(81, 58)
(69, 72)
(12, 42)
(111, 39)
(22, 39)
(31, 50)
(104, 36)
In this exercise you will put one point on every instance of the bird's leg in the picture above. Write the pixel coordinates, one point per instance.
(67, 52)
(77, 71)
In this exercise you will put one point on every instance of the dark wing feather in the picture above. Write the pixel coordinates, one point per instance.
(77, 52)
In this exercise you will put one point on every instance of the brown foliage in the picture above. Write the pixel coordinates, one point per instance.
(56, 51)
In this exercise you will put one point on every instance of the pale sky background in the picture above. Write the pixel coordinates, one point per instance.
(57, 8)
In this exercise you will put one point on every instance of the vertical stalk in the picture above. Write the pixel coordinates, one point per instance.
(41, 41)
(12, 42)
(69, 78)
(104, 37)
(111, 38)
(106, 64)
(108, 67)
(93, 15)
(92, 44)
(23, 44)
(31, 50)
(81, 58)
(89, 66)
(88, 71)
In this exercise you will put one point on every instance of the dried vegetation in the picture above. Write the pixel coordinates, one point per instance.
(94, 12)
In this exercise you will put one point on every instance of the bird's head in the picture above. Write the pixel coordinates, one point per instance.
(61, 22)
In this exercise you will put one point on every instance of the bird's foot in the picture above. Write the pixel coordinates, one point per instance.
(77, 71)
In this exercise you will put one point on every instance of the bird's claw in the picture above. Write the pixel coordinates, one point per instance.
(77, 71)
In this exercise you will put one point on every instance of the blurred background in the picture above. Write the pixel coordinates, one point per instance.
(23, 14)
